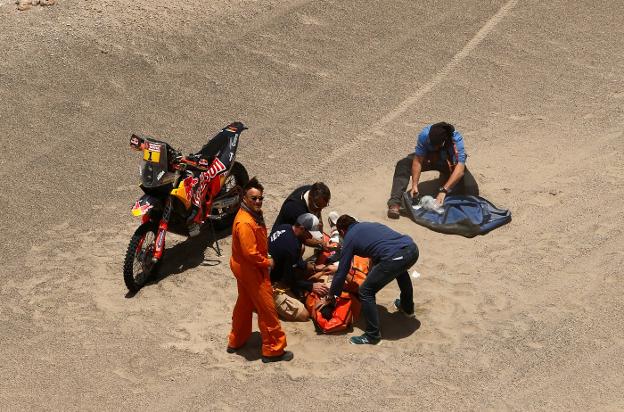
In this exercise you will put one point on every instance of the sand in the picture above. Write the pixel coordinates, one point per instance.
(527, 317)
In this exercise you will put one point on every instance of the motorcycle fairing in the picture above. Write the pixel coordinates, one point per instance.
(155, 165)
(183, 191)
(144, 205)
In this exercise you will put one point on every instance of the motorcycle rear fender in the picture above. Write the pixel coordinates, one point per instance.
(144, 205)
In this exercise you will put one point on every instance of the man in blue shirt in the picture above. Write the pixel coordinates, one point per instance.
(439, 147)
(285, 248)
(392, 254)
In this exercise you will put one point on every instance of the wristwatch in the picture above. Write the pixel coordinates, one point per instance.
(442, 190)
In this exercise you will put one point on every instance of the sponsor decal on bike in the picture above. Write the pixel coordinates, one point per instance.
(141, 208)
(234, 141)
(151, 155)
(216, 168)
(154, 147)
(189, 183)
(161, 240)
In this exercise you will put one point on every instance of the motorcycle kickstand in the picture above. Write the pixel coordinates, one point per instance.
(214, 237)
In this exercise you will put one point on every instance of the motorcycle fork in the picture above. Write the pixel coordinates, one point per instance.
(162, 230)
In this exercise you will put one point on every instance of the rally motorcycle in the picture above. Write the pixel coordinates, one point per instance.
(167, 179)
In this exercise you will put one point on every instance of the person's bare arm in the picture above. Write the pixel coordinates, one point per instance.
(453, 179)
(416, 170)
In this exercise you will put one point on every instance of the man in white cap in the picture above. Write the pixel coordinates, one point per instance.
(290, 270)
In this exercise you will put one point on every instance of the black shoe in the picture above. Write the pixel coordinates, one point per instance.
(364, 340)
(394, 212)
(231, 349)
(286, 356)
(397, 305)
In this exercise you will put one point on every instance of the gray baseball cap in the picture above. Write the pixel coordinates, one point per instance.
(310, 223)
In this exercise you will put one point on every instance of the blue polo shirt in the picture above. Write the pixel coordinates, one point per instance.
(367, 239)
(456, 155)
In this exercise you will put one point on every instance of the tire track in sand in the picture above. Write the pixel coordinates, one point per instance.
(375, 129)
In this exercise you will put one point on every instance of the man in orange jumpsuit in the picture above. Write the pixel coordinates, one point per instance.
(250, 264)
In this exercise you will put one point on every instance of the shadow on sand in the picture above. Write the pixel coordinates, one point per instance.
(393, 325)
(189, 254)
(252, 351)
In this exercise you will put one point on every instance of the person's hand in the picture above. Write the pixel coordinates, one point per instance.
(321, 289)
(416, 199)
(440, 198)
(414, 191)
(329, 269)
(316, 277)
(271, 263)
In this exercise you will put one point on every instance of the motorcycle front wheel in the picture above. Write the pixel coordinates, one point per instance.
(138, 265)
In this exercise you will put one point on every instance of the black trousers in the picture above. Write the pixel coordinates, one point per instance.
(403, 173)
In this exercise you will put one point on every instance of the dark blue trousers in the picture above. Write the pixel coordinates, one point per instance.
(383, 273)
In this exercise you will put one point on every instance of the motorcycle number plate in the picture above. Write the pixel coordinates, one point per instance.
(151, 156)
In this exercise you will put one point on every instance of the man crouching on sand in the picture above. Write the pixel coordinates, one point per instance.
(250, 264)
(392, 254)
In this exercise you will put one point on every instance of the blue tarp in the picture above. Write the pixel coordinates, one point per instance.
(467, 216)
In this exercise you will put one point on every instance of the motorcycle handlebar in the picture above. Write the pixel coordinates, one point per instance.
(188, 163)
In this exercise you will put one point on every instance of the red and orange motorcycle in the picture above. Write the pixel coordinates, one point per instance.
(167, 180)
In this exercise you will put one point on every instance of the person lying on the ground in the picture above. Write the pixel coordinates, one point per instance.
(439, 147)
(392, 254)
(305, 199)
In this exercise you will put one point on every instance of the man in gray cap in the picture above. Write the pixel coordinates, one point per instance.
(290, 271)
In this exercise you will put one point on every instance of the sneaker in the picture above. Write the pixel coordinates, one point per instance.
(286, 356)
(393, 212)
(364, 340)
(231, 349)
(397, 305)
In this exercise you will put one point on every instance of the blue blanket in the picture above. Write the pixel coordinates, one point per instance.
(467, 216)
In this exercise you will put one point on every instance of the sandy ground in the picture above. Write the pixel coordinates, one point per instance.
(528, 317)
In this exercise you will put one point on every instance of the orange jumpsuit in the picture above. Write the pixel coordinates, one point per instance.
(250, 265)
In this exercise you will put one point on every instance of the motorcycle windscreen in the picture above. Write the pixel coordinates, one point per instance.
(154, 166)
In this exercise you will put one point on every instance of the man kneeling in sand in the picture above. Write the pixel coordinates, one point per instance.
(290, 275)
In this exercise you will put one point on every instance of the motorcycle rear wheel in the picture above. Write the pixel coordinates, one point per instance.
(138, 265)
(237, 179)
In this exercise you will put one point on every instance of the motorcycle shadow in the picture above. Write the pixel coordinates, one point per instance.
(191, 253)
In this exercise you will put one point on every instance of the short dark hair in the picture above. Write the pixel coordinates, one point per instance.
(253, 184)
(440, 133)
(344, 222)
(319, 190)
